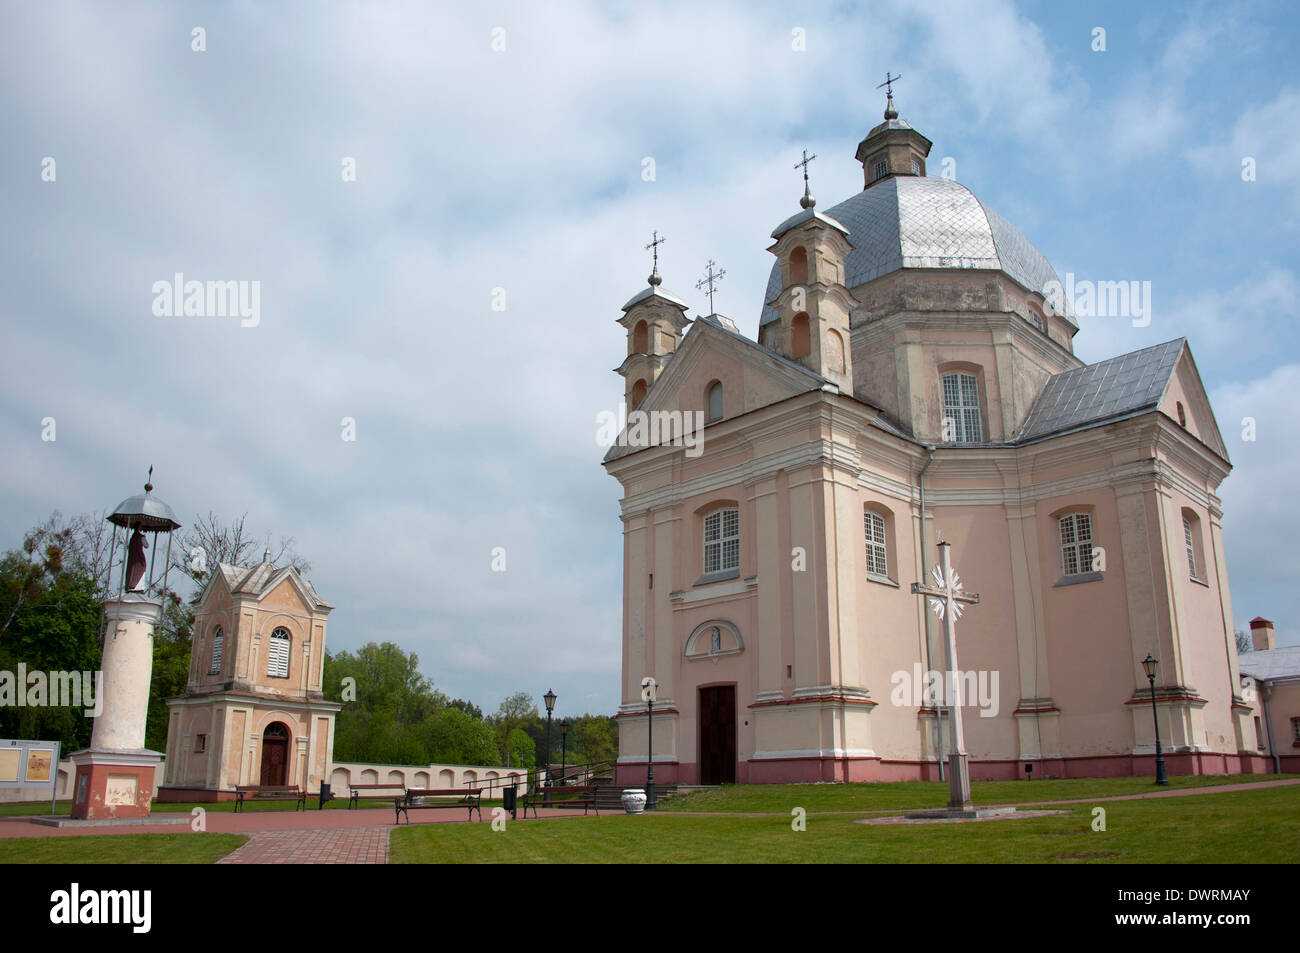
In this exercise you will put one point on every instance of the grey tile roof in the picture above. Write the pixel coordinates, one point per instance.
(652, 291)
(1117, 387)
(926, 222)
(1282, 662)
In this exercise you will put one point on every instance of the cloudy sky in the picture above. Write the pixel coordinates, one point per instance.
(499, 154)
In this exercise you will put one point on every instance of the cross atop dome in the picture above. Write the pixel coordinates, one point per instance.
(891, 112)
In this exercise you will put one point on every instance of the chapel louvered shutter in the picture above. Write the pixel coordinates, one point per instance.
(277, 659)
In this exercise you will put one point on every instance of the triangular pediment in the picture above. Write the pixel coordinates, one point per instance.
(1185, 387)
(752, 377)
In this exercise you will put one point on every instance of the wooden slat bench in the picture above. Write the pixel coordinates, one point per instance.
(562, 796)
(439, 797)
(356, 792)
(270, 792)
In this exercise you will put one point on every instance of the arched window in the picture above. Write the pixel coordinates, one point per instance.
(277, 654)
(877, 551)
(638, 393)
(715, 401)
(800, 343)
(799, 266)
(1182, 415)
(1076, 544)
(961, 408)
(640, 339)
(217, 639)
(722, 540)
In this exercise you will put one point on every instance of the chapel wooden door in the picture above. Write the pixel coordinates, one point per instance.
(718, 734)
(275, 754)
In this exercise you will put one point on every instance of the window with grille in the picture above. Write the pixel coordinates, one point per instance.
(961, 408)
(217, 640)
(722, 540)
(1076, 544)
(277, 654)
(916, 167)
(882, 169)
(1191, 548)
(877, 564)
(1032, 317)
(1295, 730)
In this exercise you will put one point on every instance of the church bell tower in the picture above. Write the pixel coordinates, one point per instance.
(655, 320)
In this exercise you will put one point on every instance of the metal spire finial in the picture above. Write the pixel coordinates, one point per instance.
(710, 279)
(890, 111)
(654, 278)
(807, 201)
(148, 483)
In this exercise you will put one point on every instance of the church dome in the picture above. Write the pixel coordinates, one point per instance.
(908, 221)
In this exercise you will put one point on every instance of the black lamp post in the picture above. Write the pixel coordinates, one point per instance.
(1149, 666)
(549, 698)
(564, 754)
(650, 758)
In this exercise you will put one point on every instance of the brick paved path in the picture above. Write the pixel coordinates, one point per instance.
(358, 845)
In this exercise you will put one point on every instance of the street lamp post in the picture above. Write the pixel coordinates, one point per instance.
(549, 698)
(1149, 666)
(564, 746)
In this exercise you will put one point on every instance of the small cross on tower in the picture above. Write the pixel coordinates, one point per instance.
(946, 599)
(888, 86)
(710, 279)
(807, 201)
(654, 247)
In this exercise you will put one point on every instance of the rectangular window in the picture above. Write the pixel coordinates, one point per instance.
(877, 564)
(201, 745)
(277, 658)
(1076, 544)
(722, 540)
(916, 167)
(882, 169)
(1295, 730)
(1191, 549)
(961, 409)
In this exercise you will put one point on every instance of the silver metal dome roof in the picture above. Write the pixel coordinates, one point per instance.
(146, 512)
(926, 222)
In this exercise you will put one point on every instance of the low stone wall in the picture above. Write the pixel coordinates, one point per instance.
(423, 776)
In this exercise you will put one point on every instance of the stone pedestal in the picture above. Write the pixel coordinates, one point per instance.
(114, 776)
(113, 784)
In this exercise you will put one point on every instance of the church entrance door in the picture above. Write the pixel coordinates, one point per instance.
(718, 734)
(275, 754)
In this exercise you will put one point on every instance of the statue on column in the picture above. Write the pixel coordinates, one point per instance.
(136, 561)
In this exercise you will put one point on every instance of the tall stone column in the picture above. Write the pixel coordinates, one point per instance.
(115, 775)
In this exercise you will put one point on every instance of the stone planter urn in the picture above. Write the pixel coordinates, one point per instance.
(634, 801)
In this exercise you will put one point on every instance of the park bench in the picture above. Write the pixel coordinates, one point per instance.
(356, 792)
(562, 796)
(434, 798)
(270, 792)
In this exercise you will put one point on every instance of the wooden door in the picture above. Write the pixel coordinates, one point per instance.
(275, 754)
(718, 734)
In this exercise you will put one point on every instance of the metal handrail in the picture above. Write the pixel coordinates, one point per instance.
(533, 777)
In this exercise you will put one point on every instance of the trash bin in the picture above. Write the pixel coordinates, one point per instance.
(325, 795)
(509, 799)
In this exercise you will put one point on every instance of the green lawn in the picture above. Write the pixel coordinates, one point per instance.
(1259, 826)
(903, 795)
(120, 849)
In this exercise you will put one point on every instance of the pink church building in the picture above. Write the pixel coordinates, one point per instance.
(914, 378)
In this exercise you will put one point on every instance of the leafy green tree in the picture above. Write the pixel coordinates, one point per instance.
(521, 752)
(454, 737)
